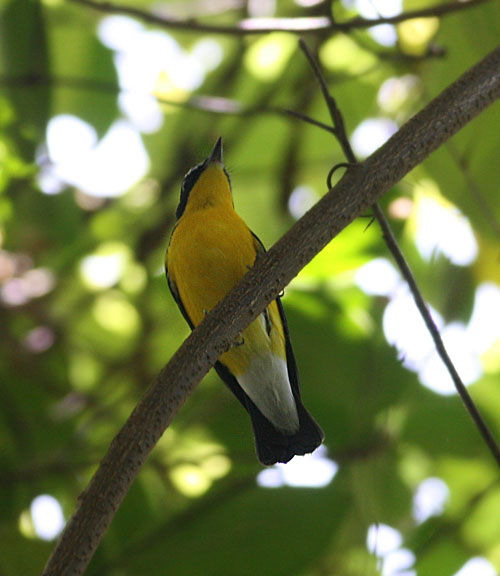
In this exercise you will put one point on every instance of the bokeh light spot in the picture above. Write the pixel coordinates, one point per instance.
(404, 328)
(341, 54)
(39, 339)
(314, 470)
(118, 32)
(116, 314)
(378, 277)
(441, 228)
(47, 517)
(209, 53)
(415, 34)
(371, 134)
(430, 499)
(105, 267)
(190, 480)
(433, 373)
(69, 137)
(382, 539)
(484, 325)
(384, 34)
(398, 563)
(396, 91)
(477, 567)
(301, 199)
(267, 57)
(15, 292)
(107, 168)
(385, 542)
(39, 281)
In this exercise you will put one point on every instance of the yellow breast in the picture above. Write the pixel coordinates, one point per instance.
(209, 252)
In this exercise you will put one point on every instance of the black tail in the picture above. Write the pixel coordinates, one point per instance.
(274, 445)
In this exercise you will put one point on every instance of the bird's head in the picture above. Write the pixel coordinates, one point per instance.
(205, 184)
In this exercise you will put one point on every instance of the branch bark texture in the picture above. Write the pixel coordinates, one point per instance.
(360, 188)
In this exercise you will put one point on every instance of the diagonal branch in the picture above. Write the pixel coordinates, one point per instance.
(397, 254)
(360, 187)
(299, 25)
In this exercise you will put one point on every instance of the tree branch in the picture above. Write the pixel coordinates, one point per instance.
(360, 187)
(302, 25)
(392, 244)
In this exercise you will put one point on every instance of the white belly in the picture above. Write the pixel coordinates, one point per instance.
(266, 383)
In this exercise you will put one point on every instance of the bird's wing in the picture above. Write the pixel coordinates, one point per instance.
(175, 293)
(230, 381)
(291, 363)
(293, 373)
(259, 247)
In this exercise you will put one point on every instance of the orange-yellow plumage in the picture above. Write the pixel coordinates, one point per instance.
(210, 250)
(225, 249)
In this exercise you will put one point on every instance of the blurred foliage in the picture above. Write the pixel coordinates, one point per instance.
(87, 320)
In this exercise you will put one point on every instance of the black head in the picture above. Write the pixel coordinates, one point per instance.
(193, 175)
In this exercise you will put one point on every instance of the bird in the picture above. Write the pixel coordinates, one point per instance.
(210, 250)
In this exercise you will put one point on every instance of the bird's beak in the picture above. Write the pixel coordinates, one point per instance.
(216, 154)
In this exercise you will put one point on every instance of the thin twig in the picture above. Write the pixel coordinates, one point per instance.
(212, 104)
(392, 245)
(479, 421)
(335, 115)
(299, 25)
(360, 187)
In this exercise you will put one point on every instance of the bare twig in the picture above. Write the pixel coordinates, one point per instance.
(301, 26)
(436, 337)
(212, 104)
(392, 244)
(335, 114)
(360, 187)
